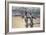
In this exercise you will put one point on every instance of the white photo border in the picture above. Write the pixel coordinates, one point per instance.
(25, 29)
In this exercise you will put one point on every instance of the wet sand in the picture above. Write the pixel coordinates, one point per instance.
(19, 22)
